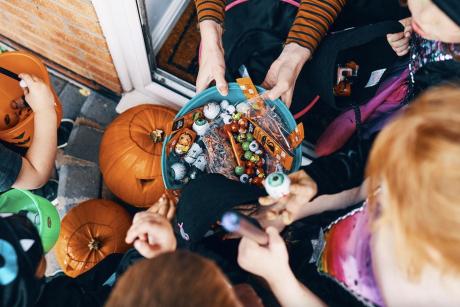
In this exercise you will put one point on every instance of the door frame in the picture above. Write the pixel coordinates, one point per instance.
(121, 24)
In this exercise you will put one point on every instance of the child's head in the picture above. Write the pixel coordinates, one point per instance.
(21, 261)
(436, 19)
(416, 163)
(173, 279)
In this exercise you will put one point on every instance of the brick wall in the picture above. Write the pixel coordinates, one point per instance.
(66, 32)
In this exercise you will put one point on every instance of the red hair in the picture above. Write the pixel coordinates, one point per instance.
(416, 159)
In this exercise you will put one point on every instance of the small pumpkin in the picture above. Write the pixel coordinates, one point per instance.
(130, 154)
(90, 232)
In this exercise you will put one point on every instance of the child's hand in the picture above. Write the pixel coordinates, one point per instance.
(303, 188)
(164, 207)
(400, 41)
(38, 94)
(270, 262)
(152, 234)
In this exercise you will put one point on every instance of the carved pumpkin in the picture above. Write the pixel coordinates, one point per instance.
(17, 126)
(90, 232)
(130, 154)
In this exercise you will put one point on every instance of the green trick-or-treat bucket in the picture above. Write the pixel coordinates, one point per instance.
(235, 96)
(39, 210)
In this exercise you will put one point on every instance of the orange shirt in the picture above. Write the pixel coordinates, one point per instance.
(310, 25)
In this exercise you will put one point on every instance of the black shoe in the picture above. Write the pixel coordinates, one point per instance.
(64, 131)
(48, 191)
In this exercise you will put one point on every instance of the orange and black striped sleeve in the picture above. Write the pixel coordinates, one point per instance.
(210, 10)
(313, 21)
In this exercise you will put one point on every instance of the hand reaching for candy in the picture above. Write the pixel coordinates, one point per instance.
(151, 233)
(301, 190)
(164, 207)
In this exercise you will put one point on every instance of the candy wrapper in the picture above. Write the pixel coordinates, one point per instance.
(267, 118)
(218, 152)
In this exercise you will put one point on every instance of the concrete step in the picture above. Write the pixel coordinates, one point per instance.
(79, 181)
(99, 109)
(84, 143)
(72, 101)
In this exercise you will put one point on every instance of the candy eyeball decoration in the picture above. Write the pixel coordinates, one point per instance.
(211, 110)
(224, 104)
(227, 118)
(201, 162)
(200, 126)
(244, 178)
(277, 185)
(243, 107)
(178, 171)
(230, 109)
(253, 146)
(193, 153)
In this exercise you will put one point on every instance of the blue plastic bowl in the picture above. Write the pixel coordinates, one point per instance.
(234, 96)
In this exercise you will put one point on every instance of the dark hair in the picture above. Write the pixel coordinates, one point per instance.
(178, 279)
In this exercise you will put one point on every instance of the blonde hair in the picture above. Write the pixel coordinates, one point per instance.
(417, 158)
(178, 279)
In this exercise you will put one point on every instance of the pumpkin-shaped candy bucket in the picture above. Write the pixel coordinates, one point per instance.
(130, 154)
(90, 232)
(17, 126)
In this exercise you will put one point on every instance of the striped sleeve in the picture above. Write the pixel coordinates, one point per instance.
(210, 10)
(313, 21)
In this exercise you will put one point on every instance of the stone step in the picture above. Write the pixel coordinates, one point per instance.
(79, 181)
(84, 143)
(72, 101)
(99, 109)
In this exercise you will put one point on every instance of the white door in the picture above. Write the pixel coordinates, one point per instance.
(135, 31)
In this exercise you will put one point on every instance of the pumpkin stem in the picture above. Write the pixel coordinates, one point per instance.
(94, 244)
(157, 135)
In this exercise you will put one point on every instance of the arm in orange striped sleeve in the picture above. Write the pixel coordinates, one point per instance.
(313, 21)
(210, 10)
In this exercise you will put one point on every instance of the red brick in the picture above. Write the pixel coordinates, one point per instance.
(64, 31)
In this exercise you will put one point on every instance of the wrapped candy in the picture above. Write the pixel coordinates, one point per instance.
(243, 107)
(184, 142)
(201, 162)
(211, 110)
(178, 171)
(226, 118)
(193, 153)
(231, 109)
(224, 104)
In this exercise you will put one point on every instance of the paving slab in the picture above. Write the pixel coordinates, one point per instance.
(72, 101)
(99, 109)
(78, 181)
(84, 143)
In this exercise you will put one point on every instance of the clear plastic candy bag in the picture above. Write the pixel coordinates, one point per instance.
(219, 153)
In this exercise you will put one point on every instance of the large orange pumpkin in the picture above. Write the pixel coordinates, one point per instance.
(90, 232)
(130, 154)
(15, 128)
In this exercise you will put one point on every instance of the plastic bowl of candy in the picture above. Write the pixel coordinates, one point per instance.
(189, 158)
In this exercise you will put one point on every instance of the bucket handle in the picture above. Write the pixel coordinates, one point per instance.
(9, 73)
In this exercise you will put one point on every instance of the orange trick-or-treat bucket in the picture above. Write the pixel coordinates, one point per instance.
(17, 125)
